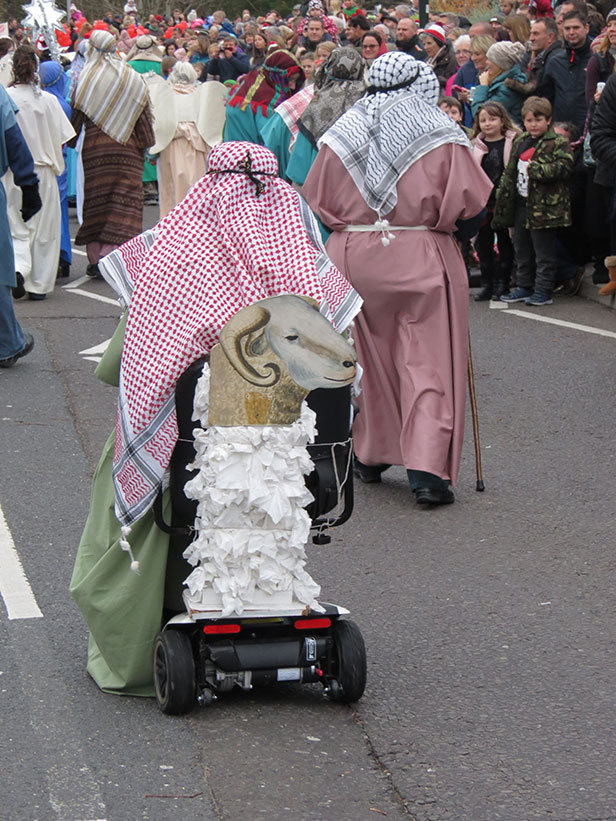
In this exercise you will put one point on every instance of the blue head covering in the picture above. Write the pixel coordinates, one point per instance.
(56, 82)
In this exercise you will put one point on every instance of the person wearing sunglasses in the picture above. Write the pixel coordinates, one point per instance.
(372, 45)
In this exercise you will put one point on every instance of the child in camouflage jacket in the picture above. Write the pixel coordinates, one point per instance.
(533, 198)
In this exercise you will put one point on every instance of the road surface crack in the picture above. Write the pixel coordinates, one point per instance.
(379, 763)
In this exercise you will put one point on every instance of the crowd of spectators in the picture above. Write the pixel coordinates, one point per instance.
(487, 69)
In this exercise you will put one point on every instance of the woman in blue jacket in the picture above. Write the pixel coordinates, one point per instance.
(503, 64)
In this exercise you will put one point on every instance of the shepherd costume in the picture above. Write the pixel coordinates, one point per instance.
(253, 99)
(112, 105)
(145, 57)
(339, 83)
(280, 131)
(240, 235)
(392, 178)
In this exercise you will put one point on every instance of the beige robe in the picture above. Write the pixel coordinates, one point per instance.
(188, 121)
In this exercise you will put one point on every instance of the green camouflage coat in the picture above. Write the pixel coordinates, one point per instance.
(548, 204)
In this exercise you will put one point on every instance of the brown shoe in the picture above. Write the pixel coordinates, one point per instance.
(610, 288)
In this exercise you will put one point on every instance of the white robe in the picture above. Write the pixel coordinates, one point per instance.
(46, 128)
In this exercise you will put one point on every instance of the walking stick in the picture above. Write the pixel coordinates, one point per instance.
(473, 396)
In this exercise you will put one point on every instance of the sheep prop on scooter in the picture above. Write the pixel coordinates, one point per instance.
(251, 524)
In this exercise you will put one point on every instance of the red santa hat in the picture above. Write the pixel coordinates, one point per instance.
(436, 31)
(543, 8)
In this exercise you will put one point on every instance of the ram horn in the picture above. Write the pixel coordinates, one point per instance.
(232, 339)
(314, 303)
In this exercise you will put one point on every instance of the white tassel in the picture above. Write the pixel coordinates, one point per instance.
(125, 545)
(382, 225)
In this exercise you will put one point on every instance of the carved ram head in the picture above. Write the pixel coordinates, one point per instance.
(290, 330)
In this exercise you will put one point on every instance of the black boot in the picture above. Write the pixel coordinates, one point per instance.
(19, 290)
(500, 287)
(368, 474)
(487, 284)
(600, 274)
(430, 490)
(502, 281)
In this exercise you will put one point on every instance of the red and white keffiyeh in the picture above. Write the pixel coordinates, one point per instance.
(236, 238)
(293, 108)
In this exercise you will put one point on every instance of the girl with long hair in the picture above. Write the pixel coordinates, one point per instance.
(492, 136)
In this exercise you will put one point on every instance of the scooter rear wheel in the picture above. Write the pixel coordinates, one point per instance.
(351, 662)
(174, 672)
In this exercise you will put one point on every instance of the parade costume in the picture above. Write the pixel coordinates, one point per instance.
(253, 99)
(281, 130)
(339, 83)
(56, 82)
(188, 122)
(392, 178)
(240, 235)
(14, 154)
(112, 105)
(36, 242)
(145, 58)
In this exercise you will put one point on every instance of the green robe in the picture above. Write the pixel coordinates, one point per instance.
(244, 126)
(302, 157)
(277, 137)
(123, 609)
(144, 67)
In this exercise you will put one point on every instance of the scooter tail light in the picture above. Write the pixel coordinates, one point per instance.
(312, 624)
(221, 629)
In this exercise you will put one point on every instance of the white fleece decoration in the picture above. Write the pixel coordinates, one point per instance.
(251, 524)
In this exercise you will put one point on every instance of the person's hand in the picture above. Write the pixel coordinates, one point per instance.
(484, 78)
(31, 202)
(597, 95)
(463, 95)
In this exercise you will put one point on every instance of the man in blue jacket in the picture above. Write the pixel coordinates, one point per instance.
(564, 79)
(230, 64)
(14, 154)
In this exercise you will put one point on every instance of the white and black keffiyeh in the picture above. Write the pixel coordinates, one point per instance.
(392, 127)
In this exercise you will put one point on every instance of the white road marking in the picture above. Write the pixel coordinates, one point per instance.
(98, 297)
(588, 329)
(97, 349)
(96, 359)
(70, 285)
(14, 586)
(77, 251)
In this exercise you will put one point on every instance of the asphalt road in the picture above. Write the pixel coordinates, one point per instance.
(489, 624)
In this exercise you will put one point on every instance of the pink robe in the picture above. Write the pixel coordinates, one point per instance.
(412, 332)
